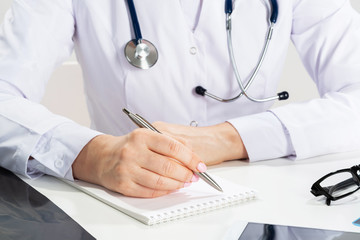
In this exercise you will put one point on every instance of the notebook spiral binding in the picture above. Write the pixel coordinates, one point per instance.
(203, 207)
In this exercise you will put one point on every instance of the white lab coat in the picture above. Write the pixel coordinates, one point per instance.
(38, 35)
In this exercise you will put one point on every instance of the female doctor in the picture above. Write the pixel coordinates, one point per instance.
(185, 44)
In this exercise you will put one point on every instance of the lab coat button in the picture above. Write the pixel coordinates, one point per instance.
(59, 163)
(193, 50)
(193, 123)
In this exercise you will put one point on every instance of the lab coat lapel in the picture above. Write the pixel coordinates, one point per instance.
(183, 7)
(192, 27)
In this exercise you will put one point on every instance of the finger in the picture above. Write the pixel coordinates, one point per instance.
(158, 182)
(170, 147)
(167, 167)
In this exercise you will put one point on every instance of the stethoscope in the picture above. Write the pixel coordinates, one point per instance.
(143, 54)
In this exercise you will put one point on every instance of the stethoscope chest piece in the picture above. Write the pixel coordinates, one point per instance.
(142, 54)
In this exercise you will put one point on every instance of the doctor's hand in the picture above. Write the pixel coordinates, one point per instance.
(213, 144)
(141, 164)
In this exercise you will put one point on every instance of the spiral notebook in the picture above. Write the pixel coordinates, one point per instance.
(193, 200)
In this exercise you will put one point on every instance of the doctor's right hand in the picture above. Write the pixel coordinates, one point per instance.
(140, 164)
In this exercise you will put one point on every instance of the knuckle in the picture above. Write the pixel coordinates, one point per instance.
(153, 194)
(123, 187)
(174, 147)
(185, 142)
(168, 168)
(137, 135)
(121, 171)
(125, 152)
(159, 182)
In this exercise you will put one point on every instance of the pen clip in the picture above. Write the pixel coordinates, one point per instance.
(139, 121)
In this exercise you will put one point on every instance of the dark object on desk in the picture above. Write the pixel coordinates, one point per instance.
(27, 214)
(337, 185)
(263, 231)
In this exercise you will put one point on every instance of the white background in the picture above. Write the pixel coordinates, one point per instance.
(65, 95)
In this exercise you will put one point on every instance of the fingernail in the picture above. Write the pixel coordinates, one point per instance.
(201, 167)
(195, 178)
(187, 184)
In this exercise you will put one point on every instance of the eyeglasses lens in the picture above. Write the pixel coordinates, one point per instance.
(339, 184)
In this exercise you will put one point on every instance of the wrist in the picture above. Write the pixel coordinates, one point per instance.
(87, 165)
(231, 142)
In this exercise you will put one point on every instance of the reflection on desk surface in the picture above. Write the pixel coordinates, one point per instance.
(27, 214)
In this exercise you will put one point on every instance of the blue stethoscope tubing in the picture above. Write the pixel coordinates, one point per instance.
(274, 11)
(143, 54)
(135, 21)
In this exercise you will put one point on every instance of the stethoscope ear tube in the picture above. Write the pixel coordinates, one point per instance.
(274, 11)
(135, 21)
(228, 6)
(203, 92)
(280, 96)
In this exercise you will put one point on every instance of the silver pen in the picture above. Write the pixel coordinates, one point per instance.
(142, 123)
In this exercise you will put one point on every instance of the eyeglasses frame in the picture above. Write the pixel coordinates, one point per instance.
(318, 190)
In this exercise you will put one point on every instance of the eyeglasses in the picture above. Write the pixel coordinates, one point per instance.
(337, 185)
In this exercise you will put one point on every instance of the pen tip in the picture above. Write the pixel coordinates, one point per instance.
(126, 111)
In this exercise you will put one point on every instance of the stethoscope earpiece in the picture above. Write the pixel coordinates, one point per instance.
(200, 90)
(283, 95)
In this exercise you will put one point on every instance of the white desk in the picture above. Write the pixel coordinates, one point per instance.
(284, 198)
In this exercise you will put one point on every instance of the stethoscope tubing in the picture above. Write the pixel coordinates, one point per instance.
(274, 11)
(135, 21)
(273, 18)
(138, 46)
(256, 70)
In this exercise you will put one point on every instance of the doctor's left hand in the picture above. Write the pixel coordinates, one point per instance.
(213, 144)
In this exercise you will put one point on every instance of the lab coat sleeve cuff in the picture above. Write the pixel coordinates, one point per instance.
(264, 136)
(57, 149)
